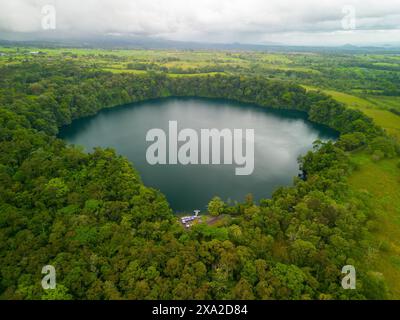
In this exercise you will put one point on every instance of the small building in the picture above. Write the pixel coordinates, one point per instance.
(187, 221)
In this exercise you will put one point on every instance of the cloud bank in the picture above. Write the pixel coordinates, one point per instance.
(247, 21)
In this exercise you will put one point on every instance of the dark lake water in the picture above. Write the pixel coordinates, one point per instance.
(280, 137)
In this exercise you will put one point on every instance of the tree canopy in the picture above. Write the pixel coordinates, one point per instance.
(111, 237)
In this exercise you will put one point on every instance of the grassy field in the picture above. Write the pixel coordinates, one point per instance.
(381, 180)
(117, 60)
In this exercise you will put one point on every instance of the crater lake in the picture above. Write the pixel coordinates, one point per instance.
(280, 137)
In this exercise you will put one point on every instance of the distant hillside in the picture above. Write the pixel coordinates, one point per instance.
(134, 42)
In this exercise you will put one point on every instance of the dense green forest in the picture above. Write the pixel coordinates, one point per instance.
(111, 237)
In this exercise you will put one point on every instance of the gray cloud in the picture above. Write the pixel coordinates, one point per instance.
(256, 21)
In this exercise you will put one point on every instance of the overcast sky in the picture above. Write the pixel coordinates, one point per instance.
(305, 22)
